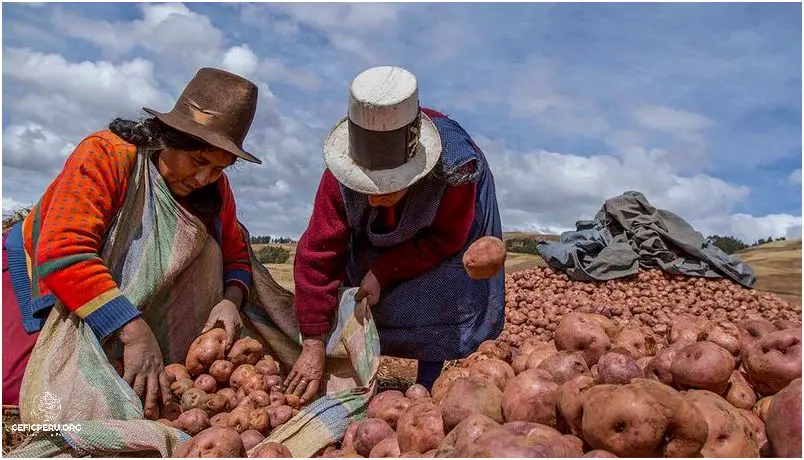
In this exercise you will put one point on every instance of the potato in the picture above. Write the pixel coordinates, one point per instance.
(220, 419)
(783, 422)
(215, 441)
(643, 362)
(176, 372)
(577, 332)
(171, 410)
(470, 395)
(494, 370)
(569, 403)
(261, 398)
(757, 429)
(192, 421)
(729, 434)
(753, 330)
(293, 401)
(260, 420)
(739, 393)
(205, 382)
(617, 368)
(524, 439)
(782, 324)
(221, 370)
(643, 418)
(246, 402)
(703, 365)
(532, 344)
(281, 415)
(598, 453)
(520, 363)
(564, 366)
(271, 450)
(636, 342)
(277, 399)
(369, 433)
(267, 367)
(484, 258)
(180, 386)
(420, 428)
(215, 404)
(387, 448)
(762, 407)
(193, 398)
(252, 383)
(774, 361)
(531, 397)
(390, 409)
(609, 327)
(445, 381)
(240, 374)
(684, 328)
(251, 438)
(535, 358)
(496, 349)
(723, 333)
(659, 367)
(457, 442)
(239, 419)
(205, 350)
(348, 443)
(245, 351)
(417, 392)
(474, 358)
(230, 396)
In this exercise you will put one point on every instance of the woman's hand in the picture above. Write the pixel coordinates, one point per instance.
(305, 377)
(143, 366)
(369, 290)
(227, 314)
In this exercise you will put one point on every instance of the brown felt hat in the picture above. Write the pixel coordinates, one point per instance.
(216, 107)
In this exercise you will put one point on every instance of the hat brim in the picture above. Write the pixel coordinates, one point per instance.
(360, 179)
(199, 131)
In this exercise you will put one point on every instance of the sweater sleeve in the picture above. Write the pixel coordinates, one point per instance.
(86, 196)
(320, 263)
(236, 262)
(444, 238)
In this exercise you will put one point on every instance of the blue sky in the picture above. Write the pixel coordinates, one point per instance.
(696, 105)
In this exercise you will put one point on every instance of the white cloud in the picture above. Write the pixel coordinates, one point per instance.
(795, 177)
(750, 228)
(32, 147)
(241, 60)
(676, 121)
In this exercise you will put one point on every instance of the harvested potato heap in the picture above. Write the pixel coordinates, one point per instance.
(537, 299)
(229, 402)
(702, 388)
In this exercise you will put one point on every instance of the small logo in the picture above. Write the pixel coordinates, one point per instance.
(47, 407)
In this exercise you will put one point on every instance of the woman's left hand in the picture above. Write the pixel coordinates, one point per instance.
(227, 314)
(369, 289)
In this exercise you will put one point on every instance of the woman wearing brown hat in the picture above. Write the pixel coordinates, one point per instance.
(405, 192)
(53, 255)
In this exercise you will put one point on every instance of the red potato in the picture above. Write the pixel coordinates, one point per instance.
(246, 402)
(272, 382)
(496, 349)
(261, 398)
(729, 434)
(659, 367)
(369, 433)
(240, 374)
(180, 386)
(532, 344)
(205, 382)
(281, 415)
(260, 420)
(278, 399)
(753, 330)
(762, 407)
(238, 419)
(390, 410)
(176, 372)
(267, 367)
(271, 450)
(220, 420)
(387, 448)
(215, 404)
(643, 418)
(470, 395)
(245, 351)
(520, 363)
(617, 368)
(598, 453)
(783, 421)
(757, 430)
(420, 428)
(221, 370)
(774, 361)
(723, 333)
(254, 382)
(215, 441)
(565, 366)
(739, 393)
(205, 350)
(684, 328)
(417, 392)
(348, 443)
(494, 370)
(445, 381)
(569, 403)
(458, 441)
(535, 358)
(171, 410)
(578, 332)
(783, 324)
(531, 397)
(192, 421)
(636, 342)
(230, 395)
(484, 258)
(193, 398)
(525, 439)
(251, 438)
(293, 401)
(703, 365)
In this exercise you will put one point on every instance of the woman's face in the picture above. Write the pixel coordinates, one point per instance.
(388, 199)
(188, 170)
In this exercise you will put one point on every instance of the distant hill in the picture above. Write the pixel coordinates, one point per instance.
(778, 268)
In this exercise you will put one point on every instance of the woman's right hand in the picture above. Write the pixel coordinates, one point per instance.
(143, 366)
(305, 377)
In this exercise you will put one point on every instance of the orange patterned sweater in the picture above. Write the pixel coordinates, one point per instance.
(62, 235)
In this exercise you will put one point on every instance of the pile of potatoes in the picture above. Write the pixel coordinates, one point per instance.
(602, 390)
(227, 402)
(537, 299)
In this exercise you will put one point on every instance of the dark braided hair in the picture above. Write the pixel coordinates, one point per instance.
(153, 135)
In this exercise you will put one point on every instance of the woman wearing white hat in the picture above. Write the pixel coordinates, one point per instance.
(405, 192)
